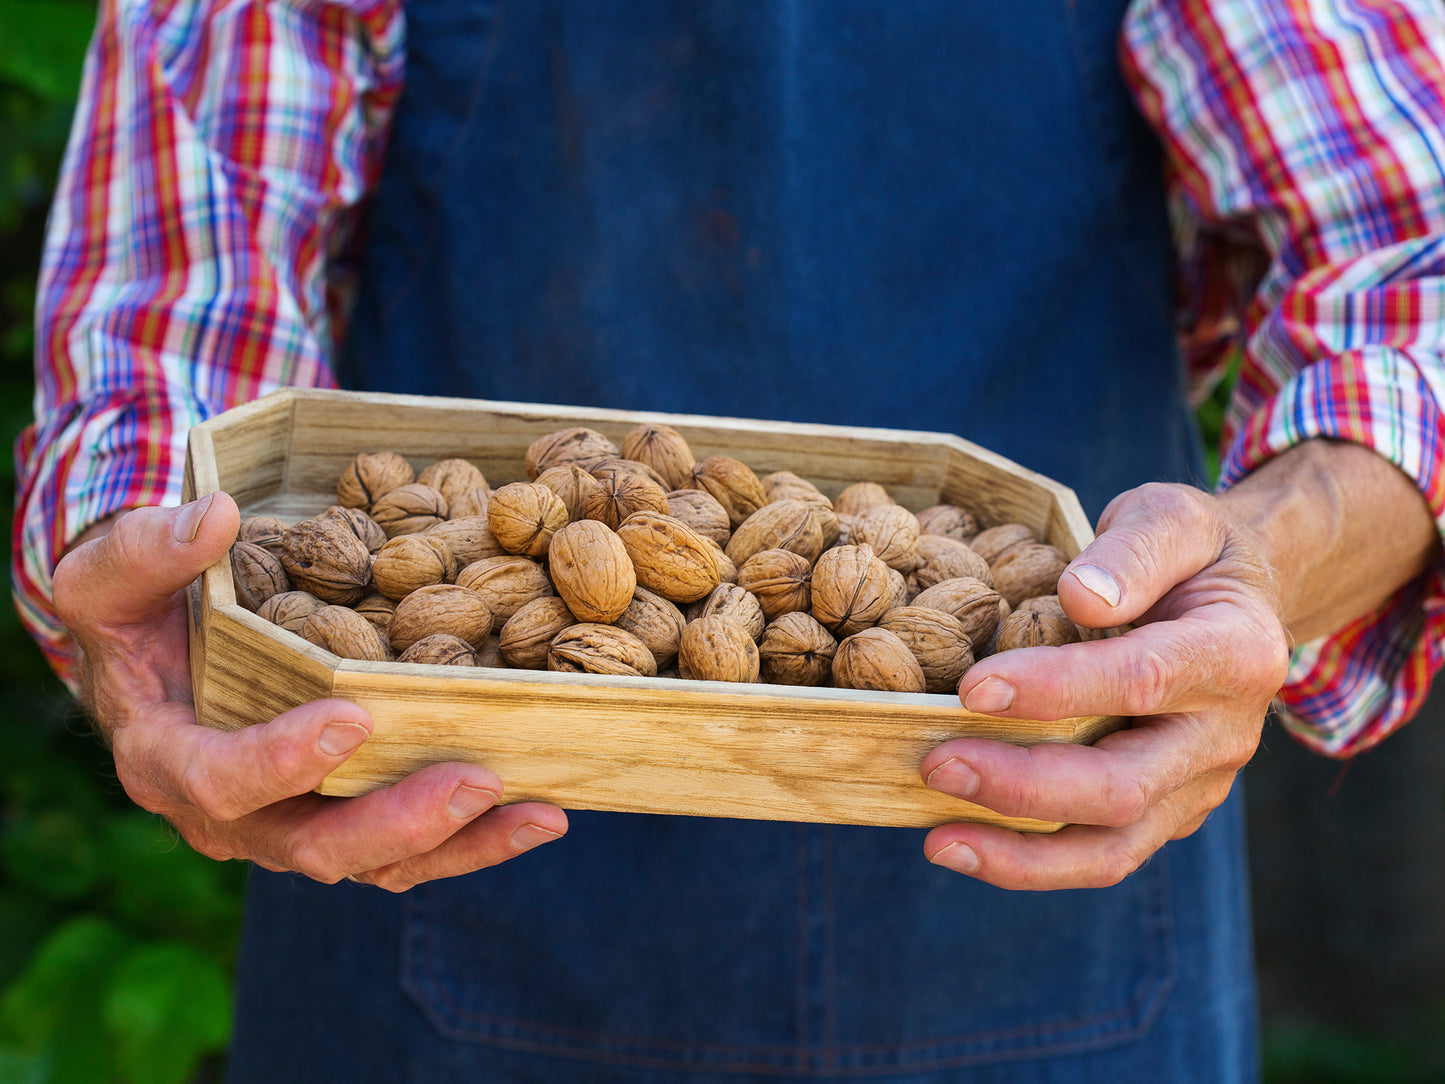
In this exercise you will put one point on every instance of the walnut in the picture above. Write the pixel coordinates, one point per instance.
(950, 520)
(851, 589)
(945, 559)
(857, 498)
(663, 449)
(377, 609)
(528, 633)
(572, 484)
(440, 649)
(938, 641)
(576, 445)
(289, 609)
(781, 579)
(655, 621)
(972, 601)
(444, 607)
(901, 593)
(717, 648)
(453, 478)
(371, 476)
(796, 650)
(994, 542)
(506, 583)
(669, 556)
(489, 653)
(409, 509)
(784, 485)
(727, 572)
(877, 659)
(591, 570)
(742, 606)
(603, 469)
(469, 503)
(524, 516)
(322, 557)
(1028, 570)
(620, 494)
(411, 561)
(732, 483)
(892, 531)
(263, 531)
(358, 523)
(783, 525)
(600, 649)
(1050, 606)
(1034, 628)
(345, 632)
(257, 574)
(701, 511)
(467, 538)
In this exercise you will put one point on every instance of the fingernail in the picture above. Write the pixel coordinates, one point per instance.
(532, 835)
(958, 857)
(954, 777)
(1097, 582)
(187, 523)
(990, 695)
(340, 738)
(467, 801)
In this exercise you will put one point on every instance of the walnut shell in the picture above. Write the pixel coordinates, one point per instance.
(345, 632)
(412, 561)
(453, 478)
(901, 593)
(489, 652)
(358, 523)
(892, 531)
(669, 557)
(371, 476)
(701, 511)
(263, 531)
(289, 609)
(656, 622)
(993, 543)
(857, 498)
(591, 570)
(1029, 570)
(851, 589)
(727, 572)
(528, 633)
(946, 559)
(257, 574)
(409, 509)
(784, 485)
(972, 601)
(600, 649)
(1052, 607)
(572, 484)
(440, 649)
(663, 449)
(781, 579)
(717, 648)
(506, 583)
(377, 609)
(469, 503)
(877, 659)
(575, 445)
(950, 520)
(1034, 628)
(325, 559)
(622, 493)
(524, 516)
(466, 538)
(796, 650)
(444, 607)
(732, 483)
(742, 606)
(938, 641)
(603, 469)
(783, 525)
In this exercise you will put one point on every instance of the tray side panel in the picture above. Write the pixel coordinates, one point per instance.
(251, 672)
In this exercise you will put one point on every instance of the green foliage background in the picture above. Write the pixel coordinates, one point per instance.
(118, 942)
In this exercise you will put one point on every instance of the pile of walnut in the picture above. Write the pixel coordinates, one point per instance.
(640, 560)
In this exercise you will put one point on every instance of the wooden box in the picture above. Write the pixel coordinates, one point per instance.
(609, 743)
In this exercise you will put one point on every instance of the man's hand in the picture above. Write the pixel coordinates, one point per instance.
(249, 794)
(1215, 587)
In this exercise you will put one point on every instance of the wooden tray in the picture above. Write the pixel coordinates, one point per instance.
(609, 743)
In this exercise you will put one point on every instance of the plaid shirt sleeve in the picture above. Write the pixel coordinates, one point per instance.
(1305, 149)
(216, 159)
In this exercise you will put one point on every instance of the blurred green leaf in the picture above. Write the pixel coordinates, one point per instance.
(54, 852)
(43, 47)
(25, 921)
(167, 1007)
(17, 1067)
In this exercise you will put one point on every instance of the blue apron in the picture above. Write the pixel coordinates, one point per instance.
(917, 214)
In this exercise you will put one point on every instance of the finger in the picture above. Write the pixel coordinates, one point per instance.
(491, 839)
(132, 572)
(1078, 856)
(1113, 783)
(169, 764)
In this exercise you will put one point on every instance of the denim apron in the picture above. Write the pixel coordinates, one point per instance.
(917, 214)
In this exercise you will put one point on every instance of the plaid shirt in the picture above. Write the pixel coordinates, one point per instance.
(220, 152)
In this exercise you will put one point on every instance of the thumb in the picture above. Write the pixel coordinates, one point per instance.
(134, 570)
(1150, 539)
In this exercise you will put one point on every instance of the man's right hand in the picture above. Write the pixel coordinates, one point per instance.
(250, 793)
